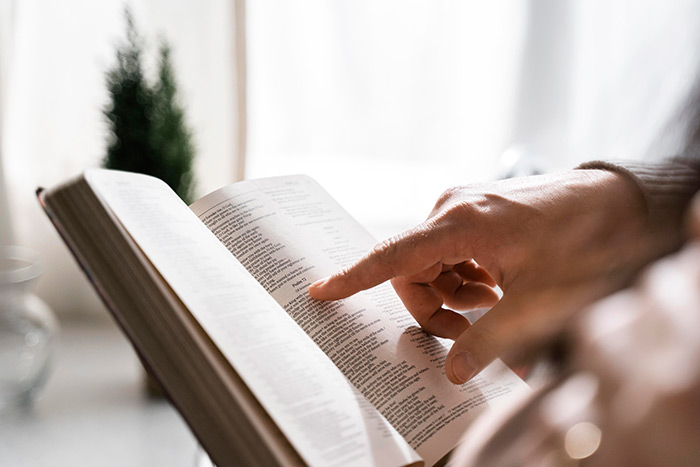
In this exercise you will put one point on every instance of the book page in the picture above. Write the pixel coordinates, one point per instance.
(288, 232)
(327, 420)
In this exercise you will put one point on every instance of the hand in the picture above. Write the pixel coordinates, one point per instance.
(551, 243)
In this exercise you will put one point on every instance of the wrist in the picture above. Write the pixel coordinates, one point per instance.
(667, 188)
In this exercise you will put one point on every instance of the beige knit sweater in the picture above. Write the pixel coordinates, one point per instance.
(667, 186)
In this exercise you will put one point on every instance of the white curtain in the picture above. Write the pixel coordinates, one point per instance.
(6, 16)
(388, 103)
(53, 127)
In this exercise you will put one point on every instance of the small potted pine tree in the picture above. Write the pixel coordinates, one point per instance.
(147, 128)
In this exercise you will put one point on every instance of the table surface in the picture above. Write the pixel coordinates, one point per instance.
(94, 410)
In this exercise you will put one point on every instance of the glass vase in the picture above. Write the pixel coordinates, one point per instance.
(27, 328)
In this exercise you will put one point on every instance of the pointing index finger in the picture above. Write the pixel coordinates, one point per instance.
(405, 254)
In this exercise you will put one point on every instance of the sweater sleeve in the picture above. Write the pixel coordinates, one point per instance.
(667, 186)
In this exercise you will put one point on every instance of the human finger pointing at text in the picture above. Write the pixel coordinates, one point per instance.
(538, 238)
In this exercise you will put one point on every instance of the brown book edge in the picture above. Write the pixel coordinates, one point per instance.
(281, 451)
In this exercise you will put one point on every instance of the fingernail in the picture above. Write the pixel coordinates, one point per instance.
(464, 366)
(319, 283)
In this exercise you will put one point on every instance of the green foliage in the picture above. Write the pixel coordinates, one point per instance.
(148, 133)
(171, 135)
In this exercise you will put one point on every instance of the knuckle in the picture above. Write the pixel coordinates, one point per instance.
(448, 196)
(472, 207)
(460, 198)
(453, 209)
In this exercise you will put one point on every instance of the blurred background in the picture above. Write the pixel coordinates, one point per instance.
(386, 103)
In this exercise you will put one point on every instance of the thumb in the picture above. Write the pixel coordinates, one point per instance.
(519, 322)
(482, 343)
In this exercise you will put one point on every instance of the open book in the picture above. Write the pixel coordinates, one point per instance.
(214, 298)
